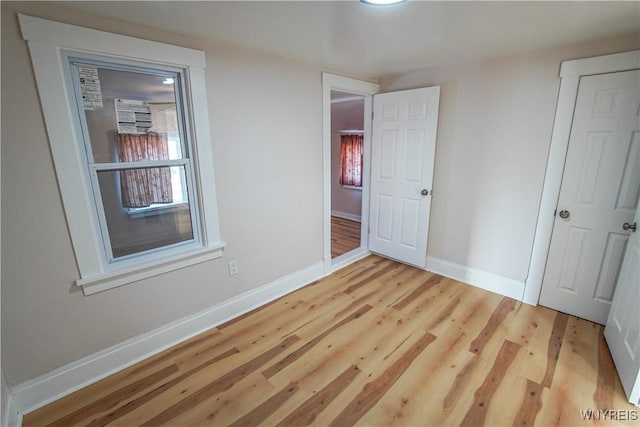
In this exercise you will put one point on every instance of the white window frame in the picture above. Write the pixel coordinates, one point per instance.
(49, 42)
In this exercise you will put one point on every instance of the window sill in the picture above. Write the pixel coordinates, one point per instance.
(352, 187)
(157, 210)
(112, 279)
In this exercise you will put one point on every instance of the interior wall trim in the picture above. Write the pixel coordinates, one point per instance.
(11, 417)
(40, 391)
(346, 215)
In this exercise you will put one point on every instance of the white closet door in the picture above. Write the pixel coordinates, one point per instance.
(599, 194)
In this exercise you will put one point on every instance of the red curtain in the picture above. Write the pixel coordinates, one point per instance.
(142, 187)
(351, 160)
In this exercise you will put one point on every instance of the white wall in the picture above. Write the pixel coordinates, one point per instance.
(344, 115)
(264, 147)
(494, 132)
(265, 113)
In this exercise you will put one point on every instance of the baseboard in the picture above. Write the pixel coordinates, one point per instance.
(478, 278)
(11, 416)
(49, 387)
(347, 215)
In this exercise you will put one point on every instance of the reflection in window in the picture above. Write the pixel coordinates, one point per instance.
(143, 230)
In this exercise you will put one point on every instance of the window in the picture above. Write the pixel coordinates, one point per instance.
(137, 154)
(128, 128)
(351, 160)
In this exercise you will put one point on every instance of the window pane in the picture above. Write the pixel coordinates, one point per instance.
(127, 103)
(351, 160)
(159, 218)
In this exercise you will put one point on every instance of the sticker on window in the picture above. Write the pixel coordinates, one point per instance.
(90, 87)
(133, 116)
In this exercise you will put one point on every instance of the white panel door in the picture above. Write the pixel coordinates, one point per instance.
(599, 194)
(402, 158)
(623, 325)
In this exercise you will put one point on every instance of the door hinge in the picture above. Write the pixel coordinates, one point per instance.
(555, 212)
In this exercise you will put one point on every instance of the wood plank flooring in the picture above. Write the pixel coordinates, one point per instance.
(345, 236)
(375, 344)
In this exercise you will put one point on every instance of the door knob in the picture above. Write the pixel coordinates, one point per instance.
(424, 192)
(564, 214)
(627, 226)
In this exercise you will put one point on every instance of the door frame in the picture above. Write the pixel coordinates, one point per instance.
(357, 87)
(570, 74)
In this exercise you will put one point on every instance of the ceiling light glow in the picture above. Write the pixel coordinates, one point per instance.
(168, 81)
(382, 2)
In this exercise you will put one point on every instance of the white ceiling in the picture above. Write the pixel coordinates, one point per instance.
(379, 40)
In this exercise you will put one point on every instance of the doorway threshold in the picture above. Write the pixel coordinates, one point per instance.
(345, 259)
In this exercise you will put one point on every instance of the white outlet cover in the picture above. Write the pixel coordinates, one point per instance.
(233, 268)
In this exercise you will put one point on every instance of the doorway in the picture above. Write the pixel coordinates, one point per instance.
(347, 165)
(345, 90)
(399, 150)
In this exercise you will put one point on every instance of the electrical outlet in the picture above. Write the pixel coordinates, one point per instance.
(233, 268)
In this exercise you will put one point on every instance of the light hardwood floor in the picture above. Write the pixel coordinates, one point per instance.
(345, 236)
(375, 344)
